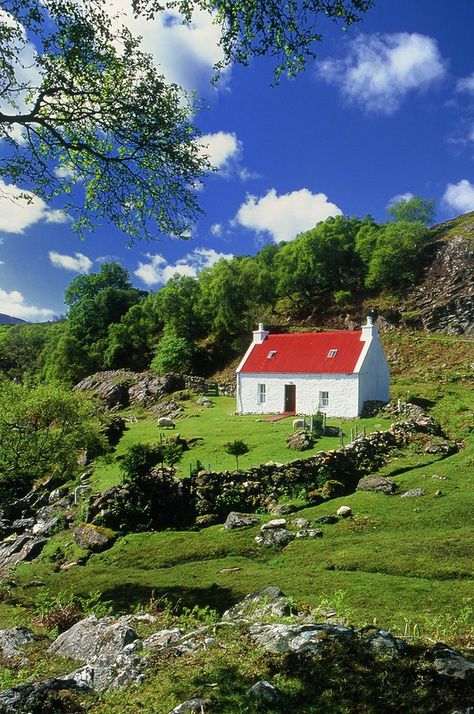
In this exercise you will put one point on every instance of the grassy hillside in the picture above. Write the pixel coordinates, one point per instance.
(404, 564)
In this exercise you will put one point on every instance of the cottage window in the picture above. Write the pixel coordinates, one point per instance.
(323, 399)
(262, 393)
(332, 353)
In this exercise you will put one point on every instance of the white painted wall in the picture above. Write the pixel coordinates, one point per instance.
(343, 392)
(374, 375)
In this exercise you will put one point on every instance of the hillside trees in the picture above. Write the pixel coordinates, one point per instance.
(42, 432)
(395, 261)
(413, 210)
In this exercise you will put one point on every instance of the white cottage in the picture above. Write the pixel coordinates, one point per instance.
(301, 373)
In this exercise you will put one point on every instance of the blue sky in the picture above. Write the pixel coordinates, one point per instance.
(387, 110)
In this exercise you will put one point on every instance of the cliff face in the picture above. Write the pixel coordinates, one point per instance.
(444, 300)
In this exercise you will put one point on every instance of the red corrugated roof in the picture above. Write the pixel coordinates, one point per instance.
(306, 352)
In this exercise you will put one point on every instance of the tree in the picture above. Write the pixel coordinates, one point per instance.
(395, 261)
(236, 448)
(173, 354)
(413, 210)
(283, 30)
(98, 124)
(42, 432)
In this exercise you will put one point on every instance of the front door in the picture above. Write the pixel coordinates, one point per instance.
(290, 397)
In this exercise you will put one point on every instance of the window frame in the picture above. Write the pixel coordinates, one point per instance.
(323, 399)
(261, 393)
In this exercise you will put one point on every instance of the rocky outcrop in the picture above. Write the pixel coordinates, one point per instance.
(93, 538)
(11, 641)
(444, 302)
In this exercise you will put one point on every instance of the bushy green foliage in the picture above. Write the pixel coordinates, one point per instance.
(43, 430)
(173, 354)
(413, 210)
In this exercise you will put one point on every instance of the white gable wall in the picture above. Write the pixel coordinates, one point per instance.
(343, 391)
(374, 374)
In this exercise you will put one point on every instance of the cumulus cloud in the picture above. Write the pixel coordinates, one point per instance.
(380, 70)
(460, 196)
(13, 303)
(20, 209)
(400, 197)
(78, 263)
(158, 271)
(185, 53)
(287, 215)
(221, 148)
(466, 84)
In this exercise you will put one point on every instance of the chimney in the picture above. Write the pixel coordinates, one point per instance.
(369, 330)
(259, 335)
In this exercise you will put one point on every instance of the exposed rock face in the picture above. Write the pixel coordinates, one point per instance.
(92, 638)
(445, 299)
(264, 691)
(264, 603)
(11, 641)
(300, 639)
(29, 698)
(24, 548)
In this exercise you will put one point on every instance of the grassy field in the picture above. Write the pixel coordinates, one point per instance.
(213, 427)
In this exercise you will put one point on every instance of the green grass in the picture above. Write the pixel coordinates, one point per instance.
(217, 425)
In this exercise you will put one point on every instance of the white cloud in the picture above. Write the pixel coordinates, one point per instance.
(13, 303)
(186, 53)
(216, 230)
(466, 84)
(221, 148)
(79, 263)
(400, 197)
(287, 215)
(460, 196)
(380, 70)
(20, 209)
(158, 271)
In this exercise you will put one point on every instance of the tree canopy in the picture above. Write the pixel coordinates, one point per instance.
(85, 114)
(413, 210)
(286, 31)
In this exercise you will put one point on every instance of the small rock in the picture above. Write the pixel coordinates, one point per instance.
(264, 692)
(164, 638)
(300, 523)
(282, 509)
(379, 484)
(451, 663)
(192, 706)
(274, 537)
(21, 524)
(93, 538)
(240, 520)
(270, 601)
(326, 520)
(344, 511)
(275, 523)
(301, 639)
(310, 533)
(413, 493)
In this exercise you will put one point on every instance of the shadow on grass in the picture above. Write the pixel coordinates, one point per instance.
(127, 596)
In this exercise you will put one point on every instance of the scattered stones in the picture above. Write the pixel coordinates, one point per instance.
(413, 493)
(344, 511)
(264, 692)
(164, 638)
(240, 520)
(379, 484)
